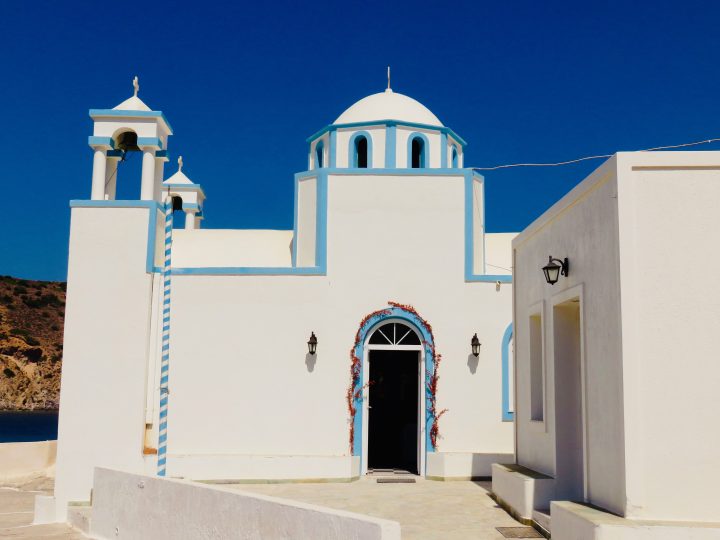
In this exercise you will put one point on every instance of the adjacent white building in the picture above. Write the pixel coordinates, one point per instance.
(617, 432)
(388, 265)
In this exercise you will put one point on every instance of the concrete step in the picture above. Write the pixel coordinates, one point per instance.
(542, 519)
(79, 517)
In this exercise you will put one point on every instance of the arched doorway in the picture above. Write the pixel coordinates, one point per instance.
(395, 384)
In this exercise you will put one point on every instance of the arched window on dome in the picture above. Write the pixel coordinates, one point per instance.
(455, 161)
(360, 151)
(319, 154)
(417, 151)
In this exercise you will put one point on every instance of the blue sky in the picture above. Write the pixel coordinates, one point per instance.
(244, 84)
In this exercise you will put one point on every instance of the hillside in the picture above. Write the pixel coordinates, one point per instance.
(31, 335)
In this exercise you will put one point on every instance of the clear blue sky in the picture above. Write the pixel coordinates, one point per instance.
(244, 83)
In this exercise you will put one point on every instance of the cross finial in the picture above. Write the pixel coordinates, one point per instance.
(136, 86)
(388, 78)
(180, 164)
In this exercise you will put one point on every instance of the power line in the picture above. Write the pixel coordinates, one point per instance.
(604, 156)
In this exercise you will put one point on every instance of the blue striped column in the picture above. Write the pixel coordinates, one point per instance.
(165, 362)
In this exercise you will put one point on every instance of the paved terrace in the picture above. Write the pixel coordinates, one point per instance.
(17, 502)
(426, 510)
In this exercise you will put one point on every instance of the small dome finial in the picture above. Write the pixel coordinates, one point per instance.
(136, 85)
(388, 75)
(180, 163)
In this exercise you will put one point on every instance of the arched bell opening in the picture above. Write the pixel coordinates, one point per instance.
(178, 213)
(124, 166)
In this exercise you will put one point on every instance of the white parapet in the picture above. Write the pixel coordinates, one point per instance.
(135, 506)
(22, 459)
(521, 490)
(572, 521)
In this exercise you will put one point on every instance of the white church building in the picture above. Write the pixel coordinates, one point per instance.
(376, 334)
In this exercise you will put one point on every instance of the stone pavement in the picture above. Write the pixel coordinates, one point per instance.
(17, 501)
(426, 510)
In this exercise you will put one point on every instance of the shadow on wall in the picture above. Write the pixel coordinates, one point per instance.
(310, 360)
(473, 362)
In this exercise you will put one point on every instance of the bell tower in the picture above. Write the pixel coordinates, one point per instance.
(130, 127)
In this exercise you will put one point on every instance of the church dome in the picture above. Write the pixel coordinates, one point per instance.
(388, 105)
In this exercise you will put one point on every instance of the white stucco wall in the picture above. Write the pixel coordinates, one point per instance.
(231, 247)
(377, 135)
(637, 233)
(583, 227)
(306, 211)
(669, 227)
(107, 322)
(144, 507)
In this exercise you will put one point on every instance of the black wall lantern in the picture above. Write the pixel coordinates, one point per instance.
(475, 345)
(553, 270)
(312, 343)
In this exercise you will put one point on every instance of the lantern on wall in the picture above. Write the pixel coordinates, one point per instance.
(475, 346)
(553, 270)
(312, 343)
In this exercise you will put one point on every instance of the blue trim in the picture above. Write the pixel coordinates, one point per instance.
(150, 141)
(99, 113)
(115, 204)
(321, 224)
(386, 122)
(101, 141)
(386, 172)
(250, 271)
(293, 254)
(424, 155)
(369, 326)
(507, 414)
(190, 206)
(390, 146)
(161, 154)
(333, 149)
(443, 150)
(352, 155)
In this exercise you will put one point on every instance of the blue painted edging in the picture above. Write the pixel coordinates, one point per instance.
(507, 414)
(390, 143)
(366, 330)
(470, 275)
(332, 128)
(130, 114)
(424, 155)
(352, 155)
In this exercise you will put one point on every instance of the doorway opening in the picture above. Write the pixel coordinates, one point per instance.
(393, 407)
(569, 401)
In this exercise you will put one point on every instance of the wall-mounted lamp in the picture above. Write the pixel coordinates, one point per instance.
(475, 346)
(553, 271)
(312, 343)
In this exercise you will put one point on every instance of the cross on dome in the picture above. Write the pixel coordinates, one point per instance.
(180, 163)
(133, 103)
(136, 85)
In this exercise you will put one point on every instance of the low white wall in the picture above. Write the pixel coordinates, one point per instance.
(571, 521)
(523, 493)
(463, 465)
(19, 459)
(134, 506)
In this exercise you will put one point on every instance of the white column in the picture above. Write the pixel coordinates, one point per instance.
(147, 188)
(98, 175)
(189, 220)
(159, 171)
(111, 172)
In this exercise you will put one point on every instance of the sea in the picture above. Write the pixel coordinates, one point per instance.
(26, 426)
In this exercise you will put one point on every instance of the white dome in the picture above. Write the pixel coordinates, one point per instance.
(388, 105)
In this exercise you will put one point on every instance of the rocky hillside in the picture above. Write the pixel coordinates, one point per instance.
(31, 335)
